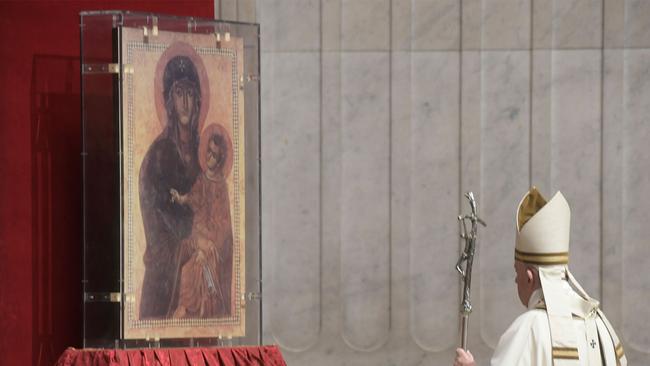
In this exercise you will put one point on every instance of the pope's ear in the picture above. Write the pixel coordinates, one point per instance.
(530, 276)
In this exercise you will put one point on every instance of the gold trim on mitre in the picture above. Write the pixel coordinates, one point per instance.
(543, 229)
(542, 258)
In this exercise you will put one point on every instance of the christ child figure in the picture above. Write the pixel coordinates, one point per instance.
(206, 277)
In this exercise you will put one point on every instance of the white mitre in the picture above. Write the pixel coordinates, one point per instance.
(543, 231)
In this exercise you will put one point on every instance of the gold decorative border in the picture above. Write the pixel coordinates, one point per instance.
(226, 327)
(619, 353)
(566, 353)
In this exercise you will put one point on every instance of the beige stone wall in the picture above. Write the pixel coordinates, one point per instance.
(377, 115)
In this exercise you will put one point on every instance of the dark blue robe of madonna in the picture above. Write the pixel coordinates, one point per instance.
(165, 223)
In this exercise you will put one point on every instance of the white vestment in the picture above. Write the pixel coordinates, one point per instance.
(527, 342)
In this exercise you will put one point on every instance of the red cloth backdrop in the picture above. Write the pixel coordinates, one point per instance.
(40, 171)
(237, 356)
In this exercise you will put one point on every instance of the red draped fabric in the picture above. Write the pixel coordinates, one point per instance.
(235, 356)
(40, 171)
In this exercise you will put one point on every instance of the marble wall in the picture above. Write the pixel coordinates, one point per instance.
(378, 114)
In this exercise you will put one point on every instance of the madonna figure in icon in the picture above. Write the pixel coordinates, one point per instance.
(171, 162)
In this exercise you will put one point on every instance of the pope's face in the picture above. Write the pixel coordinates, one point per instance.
(183, 95)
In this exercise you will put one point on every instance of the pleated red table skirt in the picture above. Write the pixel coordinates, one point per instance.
(214, 356)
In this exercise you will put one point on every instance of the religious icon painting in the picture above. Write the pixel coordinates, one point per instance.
(183, 185)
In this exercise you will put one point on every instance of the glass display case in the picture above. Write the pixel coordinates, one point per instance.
(171, 181)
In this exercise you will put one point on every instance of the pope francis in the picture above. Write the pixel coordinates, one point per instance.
(563, 325)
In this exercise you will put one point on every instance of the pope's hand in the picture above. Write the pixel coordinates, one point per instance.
(464, 358)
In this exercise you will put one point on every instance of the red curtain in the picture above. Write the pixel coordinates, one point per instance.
(40, 172)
